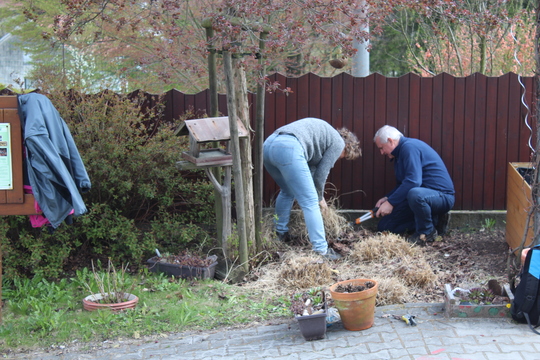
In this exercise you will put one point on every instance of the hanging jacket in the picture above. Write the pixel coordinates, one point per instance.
(55, 169)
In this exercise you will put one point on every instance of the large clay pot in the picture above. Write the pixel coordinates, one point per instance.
(356, 309)
(92, 302)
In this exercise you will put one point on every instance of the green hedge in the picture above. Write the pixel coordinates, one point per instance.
(139, 201)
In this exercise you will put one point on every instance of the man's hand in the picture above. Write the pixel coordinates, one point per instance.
(381, 201)
(385, 207)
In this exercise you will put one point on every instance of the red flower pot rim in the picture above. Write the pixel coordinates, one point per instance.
(91, 302)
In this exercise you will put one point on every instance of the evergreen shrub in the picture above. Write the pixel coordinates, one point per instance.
(138, 202)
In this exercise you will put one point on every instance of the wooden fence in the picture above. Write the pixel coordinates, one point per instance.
(477, 124)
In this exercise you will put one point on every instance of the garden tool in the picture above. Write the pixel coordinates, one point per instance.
(409, 319)
(366, 216)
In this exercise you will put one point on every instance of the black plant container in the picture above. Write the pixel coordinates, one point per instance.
(183, 271)
(313, 327)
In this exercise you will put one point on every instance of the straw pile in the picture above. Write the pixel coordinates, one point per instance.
(400, 268)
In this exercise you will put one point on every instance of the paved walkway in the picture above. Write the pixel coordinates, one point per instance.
(435, 337)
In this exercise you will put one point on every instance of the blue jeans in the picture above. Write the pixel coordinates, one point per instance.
(420, 213)
(284, 159)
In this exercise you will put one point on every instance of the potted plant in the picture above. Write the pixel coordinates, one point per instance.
(478, 301)
(309, 309)
(185, 265)
(355, 301)
(110, 290)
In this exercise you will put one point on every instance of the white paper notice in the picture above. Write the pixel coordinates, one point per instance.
(6, 173)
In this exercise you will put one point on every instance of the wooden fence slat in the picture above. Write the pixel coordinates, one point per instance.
(436, 114)
(413, 127)
(358, 126)
(458, 154)
(291, 113)
(447, 123)
(314, 91)
(303, 96)
(501, 136)
(490, 144)
(326, 99)
(346, 176)
(373, 160)
(404, 105)
(479, 140)
(468, 145)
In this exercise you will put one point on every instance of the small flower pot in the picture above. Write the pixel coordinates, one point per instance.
(313, 327)
(92, 302)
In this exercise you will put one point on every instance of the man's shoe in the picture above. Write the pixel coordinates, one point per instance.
(422, 239)
(442, 224)
(331, 255)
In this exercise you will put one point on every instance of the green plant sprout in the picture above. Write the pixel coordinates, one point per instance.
(489, 224)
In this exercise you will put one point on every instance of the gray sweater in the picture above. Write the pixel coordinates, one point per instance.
(322, 147)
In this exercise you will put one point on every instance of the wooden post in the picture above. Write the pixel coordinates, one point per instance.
(237, 165)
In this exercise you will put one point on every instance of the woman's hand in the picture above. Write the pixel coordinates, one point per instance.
(323, 205)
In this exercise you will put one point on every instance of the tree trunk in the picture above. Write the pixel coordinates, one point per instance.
(258, 155)
(242, 110)
(225, 201)
(216, 171)
(483, 55)
(237, 165)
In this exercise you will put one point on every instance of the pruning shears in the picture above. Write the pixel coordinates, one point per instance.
(369, 215)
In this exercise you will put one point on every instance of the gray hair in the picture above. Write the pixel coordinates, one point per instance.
(387, 132)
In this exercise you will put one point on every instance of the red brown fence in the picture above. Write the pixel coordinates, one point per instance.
(477, 124)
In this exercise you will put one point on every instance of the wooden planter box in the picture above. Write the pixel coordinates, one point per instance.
(519, 200)
(454, 309)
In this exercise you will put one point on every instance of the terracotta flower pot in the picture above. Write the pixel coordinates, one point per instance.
(356, 309)
(92, 302)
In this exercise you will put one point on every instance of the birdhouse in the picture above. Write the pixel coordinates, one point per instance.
(214, 129)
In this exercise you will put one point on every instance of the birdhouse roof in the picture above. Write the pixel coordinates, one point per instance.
(210, 129)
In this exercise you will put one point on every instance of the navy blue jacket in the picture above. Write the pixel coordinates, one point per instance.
(55, 169)
(416, 164)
